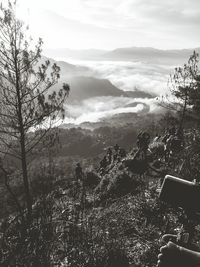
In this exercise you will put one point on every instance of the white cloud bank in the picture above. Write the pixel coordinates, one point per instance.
(98, 108)
(130, 75)
(126, 76)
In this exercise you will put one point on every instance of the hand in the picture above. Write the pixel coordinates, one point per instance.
(170, 256)
(173, 255)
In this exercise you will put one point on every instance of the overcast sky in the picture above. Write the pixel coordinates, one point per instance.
(108, 24)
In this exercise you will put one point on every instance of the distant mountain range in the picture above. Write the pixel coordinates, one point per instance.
(87, 87)
(75, 54)
(146, 54)
(151, 55)
(84, 86)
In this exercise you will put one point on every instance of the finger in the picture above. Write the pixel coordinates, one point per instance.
(168, 237)
(158, 264)
(170, 246)
(160, 256)
(163, 248)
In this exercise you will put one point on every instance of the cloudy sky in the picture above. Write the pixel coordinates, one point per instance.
(108, 24)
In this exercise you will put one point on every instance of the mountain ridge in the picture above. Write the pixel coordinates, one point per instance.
(124, 53)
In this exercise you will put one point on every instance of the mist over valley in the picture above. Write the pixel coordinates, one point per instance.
(107, 83)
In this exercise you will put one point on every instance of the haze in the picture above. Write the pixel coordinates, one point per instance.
(103, 24)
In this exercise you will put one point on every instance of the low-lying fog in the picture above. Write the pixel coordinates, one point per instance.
(124, 75)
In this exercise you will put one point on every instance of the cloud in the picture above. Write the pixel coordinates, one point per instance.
(95, 109)
(170, 11)
(126, 76)
(117, 13)
(163, 24)
(130, 75)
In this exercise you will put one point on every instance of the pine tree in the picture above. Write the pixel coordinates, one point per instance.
(184, 88)
(28, 104)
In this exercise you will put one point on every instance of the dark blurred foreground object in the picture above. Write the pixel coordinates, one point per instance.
(181, 193)
(184, 194)
(172, 255)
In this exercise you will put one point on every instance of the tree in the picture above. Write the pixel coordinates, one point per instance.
(185, 89)
(194, 96)
(28, 105)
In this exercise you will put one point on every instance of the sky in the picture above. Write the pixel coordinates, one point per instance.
(109, 24)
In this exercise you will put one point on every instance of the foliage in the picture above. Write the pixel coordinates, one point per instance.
(108, 219)
(124, 230)
(184, 87)
(25, 244)
(118, 181)
(26, 101)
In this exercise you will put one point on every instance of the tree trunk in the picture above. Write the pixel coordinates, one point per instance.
(183, 113)
(25, 176)
(21, 130)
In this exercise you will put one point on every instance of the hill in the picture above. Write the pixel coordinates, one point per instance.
(149, 54)
(84, 54)
(146, 54)
(88, 87)
(67, 69)
(85, 87)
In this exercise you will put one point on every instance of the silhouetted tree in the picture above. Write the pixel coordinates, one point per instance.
(184, 87)
(28, 105)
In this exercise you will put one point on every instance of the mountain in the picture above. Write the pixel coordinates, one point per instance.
(149, 54)
(65, 53)
(88, 87)
(145, 54)
(67, 69)
(84, 86)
